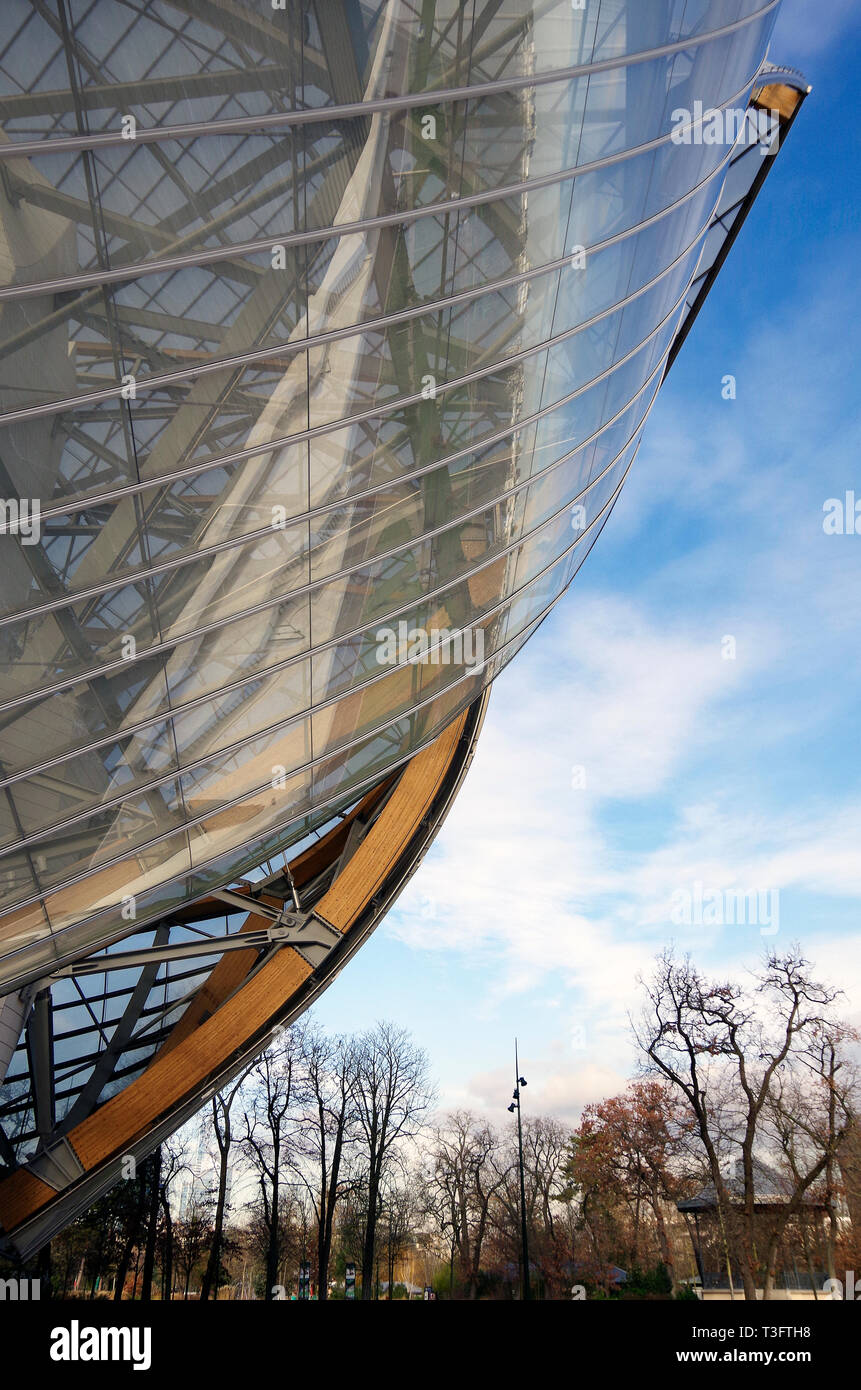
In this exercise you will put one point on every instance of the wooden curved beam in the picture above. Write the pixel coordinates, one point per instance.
(242, 1012)
(231, 970)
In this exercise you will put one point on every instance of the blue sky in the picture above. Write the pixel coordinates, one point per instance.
(540, 901)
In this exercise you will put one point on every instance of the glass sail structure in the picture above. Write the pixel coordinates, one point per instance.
(328, 333)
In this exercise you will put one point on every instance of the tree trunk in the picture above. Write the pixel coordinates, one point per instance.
(664, 1243)
(805, 1245)
(369, 1243)
(322, 1254)
(272, 1248)
(210, 1278)
(154, 1167)
(771, 1253)
(328, 1200)
(123, 1269)
(125, 1258)
(167, 1271)
(829, 1230)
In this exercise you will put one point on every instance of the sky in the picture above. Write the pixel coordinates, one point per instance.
(627, 754)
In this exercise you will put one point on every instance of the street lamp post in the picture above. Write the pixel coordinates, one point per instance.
(453, 1224)
(519, 1082)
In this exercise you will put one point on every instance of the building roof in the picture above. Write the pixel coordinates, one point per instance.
(770, 1189)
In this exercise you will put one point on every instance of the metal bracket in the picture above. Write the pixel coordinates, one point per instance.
(307, 933)
(58, 1165)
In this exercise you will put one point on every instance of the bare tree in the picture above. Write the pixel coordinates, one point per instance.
(290, 1239)
(325, 1133)
(133, 1196)
(392, 1094)
(462, 1183)
(810, 1111)
(272, 1086)
(192, 1236)
(153, 1178)
(722, 1048)
(222, 1129)
(545, 1141)
(174, 1161)
(400, 1207)
(545, 1149)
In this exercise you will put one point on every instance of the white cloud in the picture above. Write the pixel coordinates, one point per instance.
(537, 880)
(559, 1086)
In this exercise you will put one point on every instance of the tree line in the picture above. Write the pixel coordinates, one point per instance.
(328, 1151)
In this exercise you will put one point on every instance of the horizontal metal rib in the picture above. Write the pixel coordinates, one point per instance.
(312, 513)
(347, 746)
(118, 274)
(243, 125)
(333, 642)
(335, 335)
(312, 586)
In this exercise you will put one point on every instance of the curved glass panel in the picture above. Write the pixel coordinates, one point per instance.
(327, 337)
